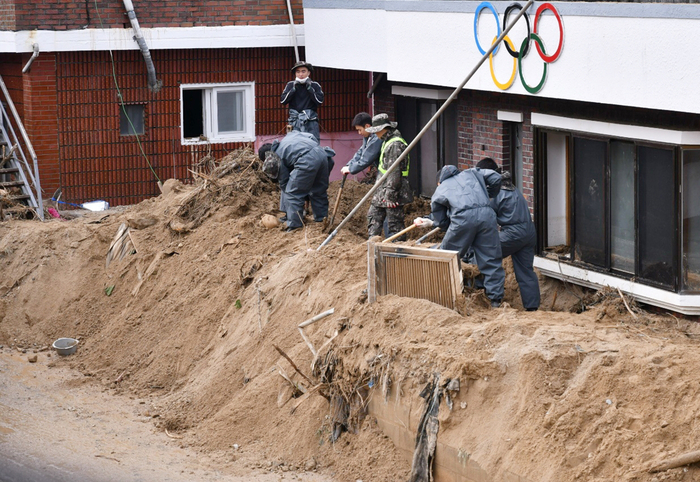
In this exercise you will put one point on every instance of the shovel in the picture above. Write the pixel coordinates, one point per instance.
(427, 235)
(337, 203)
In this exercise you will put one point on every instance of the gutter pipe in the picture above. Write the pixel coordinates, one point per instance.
(154, 85)
(31, 59)
(427, 126)
(293, 30)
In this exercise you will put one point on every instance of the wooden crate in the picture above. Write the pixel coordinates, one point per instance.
(429, 274)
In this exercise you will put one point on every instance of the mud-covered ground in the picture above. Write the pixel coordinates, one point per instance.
(190, 321)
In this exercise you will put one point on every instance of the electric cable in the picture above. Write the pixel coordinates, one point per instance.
(123, 105)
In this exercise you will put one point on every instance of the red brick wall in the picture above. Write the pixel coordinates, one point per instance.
(11, 71)
(67, 15)
(384, 101)
(97, 163)
(7, 15)
(39, 86)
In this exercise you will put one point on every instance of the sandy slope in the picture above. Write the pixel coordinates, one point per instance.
(551, 395)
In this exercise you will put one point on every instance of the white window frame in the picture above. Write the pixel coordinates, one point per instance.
(209, 107)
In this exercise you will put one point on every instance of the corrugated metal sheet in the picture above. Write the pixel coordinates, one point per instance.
(98, 163)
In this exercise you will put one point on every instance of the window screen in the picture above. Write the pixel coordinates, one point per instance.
(622, 233)
(691, 220)
(230, 111)
(657, 208)
(589, 200)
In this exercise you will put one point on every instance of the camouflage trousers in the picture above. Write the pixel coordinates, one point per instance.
(375, 220)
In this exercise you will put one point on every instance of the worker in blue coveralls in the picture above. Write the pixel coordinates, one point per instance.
(518, 236)
(303, 96)
(302, 167)
(368, 154)
(461, 206)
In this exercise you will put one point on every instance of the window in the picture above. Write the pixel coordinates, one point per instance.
(691, 220)
(131, 119)
(218, 113)
(623, 203)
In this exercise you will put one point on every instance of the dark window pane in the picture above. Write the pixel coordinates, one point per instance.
(428, 148)
(192, 113)
(691, 220)
(657, 226)
(622, 236)
(131, 120)
(589, 200)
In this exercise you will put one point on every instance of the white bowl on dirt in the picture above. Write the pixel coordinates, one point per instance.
(65, 346)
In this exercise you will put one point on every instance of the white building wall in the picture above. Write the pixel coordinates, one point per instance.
(638, 55)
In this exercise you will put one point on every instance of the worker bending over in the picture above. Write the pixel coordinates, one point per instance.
(302, 167)
(394, 192)
(461, 206)
(517, 235)
(368, 154)
(303, 96)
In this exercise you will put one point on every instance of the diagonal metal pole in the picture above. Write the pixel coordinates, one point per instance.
(427, 126)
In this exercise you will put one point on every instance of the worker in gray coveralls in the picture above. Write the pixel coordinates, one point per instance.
(368, 154)
(518, 236)
(302, 167)
(461, 206)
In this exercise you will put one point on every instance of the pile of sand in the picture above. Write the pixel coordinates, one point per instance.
(190, 317)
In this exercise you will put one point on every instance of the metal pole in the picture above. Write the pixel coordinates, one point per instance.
(293, 30)
(28, 143)
(442, 108)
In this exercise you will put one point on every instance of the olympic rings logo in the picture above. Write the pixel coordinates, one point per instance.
(519, 55)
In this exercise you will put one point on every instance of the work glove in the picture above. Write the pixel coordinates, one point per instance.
(390, 204)
(345, 170)
(423, 222)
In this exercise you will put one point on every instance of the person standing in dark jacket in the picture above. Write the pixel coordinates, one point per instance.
(461, 206)
(303, 96)
(302, 167)
(394, 192)
(368, 154)
(517, 235)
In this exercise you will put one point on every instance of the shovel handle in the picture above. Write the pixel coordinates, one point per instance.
(400, 233)
(337, 200)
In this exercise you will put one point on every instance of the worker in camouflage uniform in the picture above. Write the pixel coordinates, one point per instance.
(394, 192)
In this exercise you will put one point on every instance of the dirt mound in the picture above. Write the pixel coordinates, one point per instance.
(192, 315)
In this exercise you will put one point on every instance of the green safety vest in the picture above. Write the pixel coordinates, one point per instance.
(381, 156)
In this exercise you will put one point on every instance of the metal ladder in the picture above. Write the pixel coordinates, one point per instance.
(15, 169)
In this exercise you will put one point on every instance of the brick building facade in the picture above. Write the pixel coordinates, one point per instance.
(73, 100)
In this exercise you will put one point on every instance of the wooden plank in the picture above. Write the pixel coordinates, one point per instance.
(371, 273)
